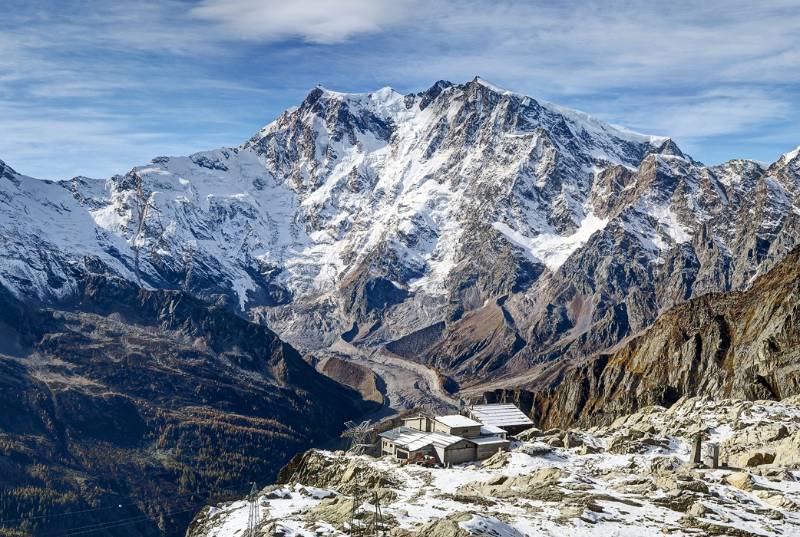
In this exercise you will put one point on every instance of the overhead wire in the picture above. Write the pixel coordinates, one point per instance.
(108, 524)
(96, 509)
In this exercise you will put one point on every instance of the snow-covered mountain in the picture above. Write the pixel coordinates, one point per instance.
(467, 226)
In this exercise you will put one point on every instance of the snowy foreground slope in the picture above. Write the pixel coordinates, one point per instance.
(631, 478)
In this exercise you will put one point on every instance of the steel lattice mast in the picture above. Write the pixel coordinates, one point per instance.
(254, 515)
(359, 435)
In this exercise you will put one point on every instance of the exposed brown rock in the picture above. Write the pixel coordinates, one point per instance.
(741, 344)
(356, 376)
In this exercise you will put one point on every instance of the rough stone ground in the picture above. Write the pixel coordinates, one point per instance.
(631, 478)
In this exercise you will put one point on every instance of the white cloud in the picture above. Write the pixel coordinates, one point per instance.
(697, 72)
(717, 113)
(315, 21)
(584, 47)
(694, 118)
(59, 144)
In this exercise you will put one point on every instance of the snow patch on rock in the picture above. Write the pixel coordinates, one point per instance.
(553, 249)
(631, 478)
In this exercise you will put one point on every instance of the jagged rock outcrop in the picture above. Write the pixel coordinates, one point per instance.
(740, 344)
(342, 472)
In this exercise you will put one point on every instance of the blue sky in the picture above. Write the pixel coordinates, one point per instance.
(94, 88)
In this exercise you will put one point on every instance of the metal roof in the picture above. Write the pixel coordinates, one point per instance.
(412, 439)
(500, 415)
(397, 432)
(488, 440)
(456, 420)
(491, 430)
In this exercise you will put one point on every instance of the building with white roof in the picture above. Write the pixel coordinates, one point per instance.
(407, 443)
(454, 424)
(457, 421)
(458, 425)
(451, 439)
(504, 416)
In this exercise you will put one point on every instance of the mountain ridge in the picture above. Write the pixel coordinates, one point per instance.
(584, 231)
(740, 344)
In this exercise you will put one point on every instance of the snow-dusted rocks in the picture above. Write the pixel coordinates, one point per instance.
(630, 478)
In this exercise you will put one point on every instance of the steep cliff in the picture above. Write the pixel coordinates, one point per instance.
(738, 344)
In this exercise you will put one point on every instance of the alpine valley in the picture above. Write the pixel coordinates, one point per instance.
(368, 249)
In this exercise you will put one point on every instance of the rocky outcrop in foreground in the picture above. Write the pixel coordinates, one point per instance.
(632, 477)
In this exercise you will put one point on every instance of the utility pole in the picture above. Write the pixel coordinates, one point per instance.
(378, 528)
(354, 513)
(372, 528)
(254, 515)
(360, 435)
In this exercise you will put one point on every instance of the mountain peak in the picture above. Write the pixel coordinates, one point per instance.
(495, 88)
(584, 120)
(6, 170)
(666, 146)
(381, 94)
(427, 96)
(387, 103)
(791, 155)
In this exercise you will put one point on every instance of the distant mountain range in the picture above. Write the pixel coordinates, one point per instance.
(475, 229)
(150, 400)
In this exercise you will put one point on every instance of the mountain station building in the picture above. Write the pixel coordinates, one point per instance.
(453, 438)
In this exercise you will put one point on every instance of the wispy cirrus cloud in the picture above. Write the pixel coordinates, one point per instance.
(94, 86)
(314, 21)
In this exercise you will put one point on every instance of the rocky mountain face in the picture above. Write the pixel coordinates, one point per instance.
(737, 344)
(149, 400)
(471, 228)
(632, 477)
